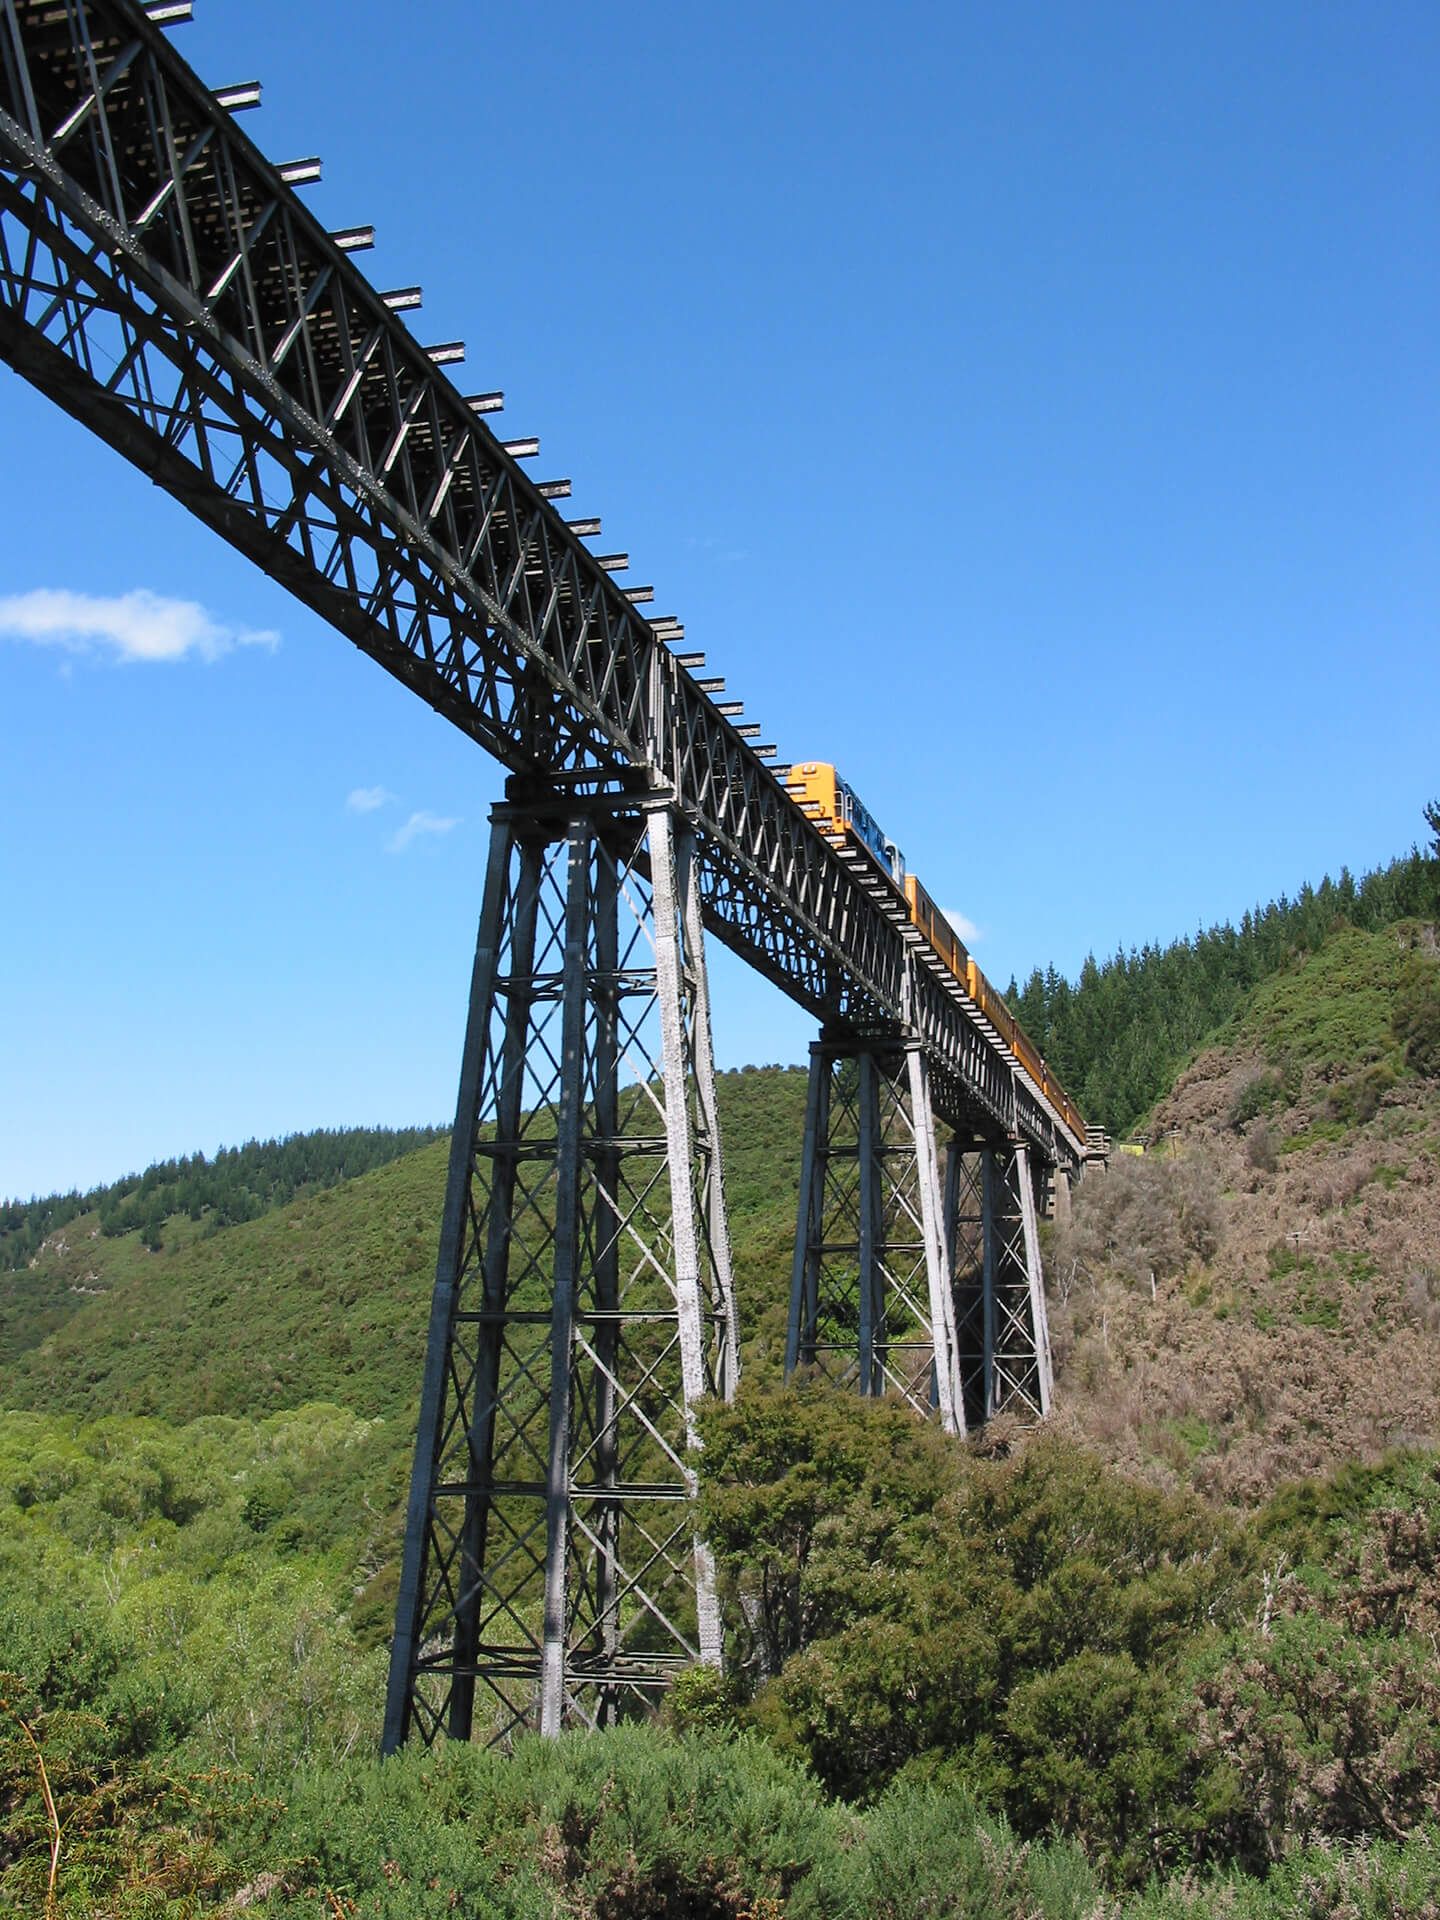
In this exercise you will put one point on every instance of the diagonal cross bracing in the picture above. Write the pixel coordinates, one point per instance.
(162, 282)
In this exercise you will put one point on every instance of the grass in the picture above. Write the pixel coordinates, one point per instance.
(1330, 1132)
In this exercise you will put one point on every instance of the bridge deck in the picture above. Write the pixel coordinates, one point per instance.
(164, 283)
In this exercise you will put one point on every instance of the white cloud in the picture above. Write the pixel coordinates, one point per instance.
(368, 799)
(415, 826)
(130, 626)
(967, 929)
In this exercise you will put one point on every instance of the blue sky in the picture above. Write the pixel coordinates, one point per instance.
(1031, 408)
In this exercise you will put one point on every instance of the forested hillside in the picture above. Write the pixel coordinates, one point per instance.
(1118, 1034)
(238, 1183)
(327, 1298)
(1173, 1658)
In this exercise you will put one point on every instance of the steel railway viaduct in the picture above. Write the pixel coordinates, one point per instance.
(162, 281)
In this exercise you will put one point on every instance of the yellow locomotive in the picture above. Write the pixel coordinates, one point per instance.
(837, 811)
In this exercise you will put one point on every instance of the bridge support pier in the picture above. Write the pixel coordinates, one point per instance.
(899, 1287)
(871, 1307)
(1061, 1196)
(993, 1247)
(583, 1301)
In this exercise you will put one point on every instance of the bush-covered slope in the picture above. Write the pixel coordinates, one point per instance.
(1208, 1306)
(1167, 1684)
(238, 1183)
(1039, 1681)
(1258, 1297)
(321, 1300)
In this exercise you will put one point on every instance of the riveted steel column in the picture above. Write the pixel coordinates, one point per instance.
(567, 1253)
(680, 1153)
(448, 1267)
(989, 1174)
(555, 1560)
(702, 1062)
(605, 1255)
(871, 1306)
(1039, 1314)
(513, 992)
(949, 1399)
(801, 1333)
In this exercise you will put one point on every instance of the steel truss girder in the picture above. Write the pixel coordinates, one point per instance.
(871, 1307)
(163, 284)
(993, 1258)
(583, 1301)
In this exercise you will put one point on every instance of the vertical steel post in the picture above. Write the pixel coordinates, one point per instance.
(410, 1606)
(702, 1066)
(989, 1175)
(872, 1309)
(965, 1265)
(606, 1256)
(949, 1400)
(680, 1154)
(1035, 1280)
(514, 997)
(564, 1280)
(805, 1272)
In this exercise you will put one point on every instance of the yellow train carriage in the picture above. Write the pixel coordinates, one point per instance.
(836, 808)
(936, 928)
(952, 950)
(992, 1005)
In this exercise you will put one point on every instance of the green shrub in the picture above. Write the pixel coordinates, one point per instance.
(1257, 1095)
(927, 1849)
(1030, 1619)
(1386, 1881)
(1416, 1016)
(624, 1825)
(1327, 1714)
(1355, 1101)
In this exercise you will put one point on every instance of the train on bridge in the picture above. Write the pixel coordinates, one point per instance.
(842, 816)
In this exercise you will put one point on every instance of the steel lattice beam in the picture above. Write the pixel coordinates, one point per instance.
(163, 282)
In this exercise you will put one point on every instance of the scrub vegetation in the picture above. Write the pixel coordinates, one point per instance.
(1173, 1657)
